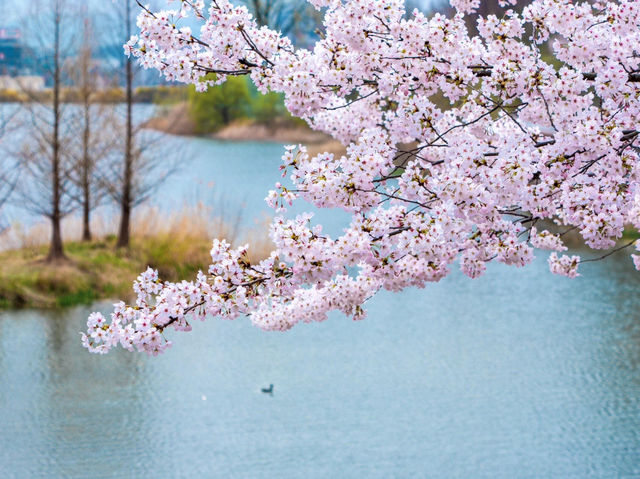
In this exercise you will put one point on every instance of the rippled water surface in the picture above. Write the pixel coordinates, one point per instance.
(518, 374)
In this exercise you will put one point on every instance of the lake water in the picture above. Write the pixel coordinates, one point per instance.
(233, 178)
(519, 374)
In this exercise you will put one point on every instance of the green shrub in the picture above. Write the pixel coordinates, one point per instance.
(219, 105)
(265, 108)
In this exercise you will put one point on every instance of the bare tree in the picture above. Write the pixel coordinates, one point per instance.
(143, 165)
(93, 120)
(150, 165)
(126, 198)
(9, 167)
(87, 162)
(56, 248)
(121, 16)
(46, 188)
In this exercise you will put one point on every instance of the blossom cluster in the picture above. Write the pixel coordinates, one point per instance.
(458, 148)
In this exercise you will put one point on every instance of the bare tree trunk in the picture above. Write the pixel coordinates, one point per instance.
(86, 167)
(125, 221)
(56, 251)
(125, 203)
(86, 221)
(86, 139)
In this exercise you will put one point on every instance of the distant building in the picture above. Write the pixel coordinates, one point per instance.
(11, 51)
(22, 83)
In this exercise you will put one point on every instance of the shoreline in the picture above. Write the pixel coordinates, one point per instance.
(175, 120)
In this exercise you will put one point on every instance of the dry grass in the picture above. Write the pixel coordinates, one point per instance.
(177, 245)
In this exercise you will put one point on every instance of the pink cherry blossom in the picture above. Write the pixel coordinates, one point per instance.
(457, 148)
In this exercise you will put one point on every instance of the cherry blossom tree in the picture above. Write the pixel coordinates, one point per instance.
(500, 140)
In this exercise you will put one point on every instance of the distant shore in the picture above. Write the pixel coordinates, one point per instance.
(175, 120)
(163, 94)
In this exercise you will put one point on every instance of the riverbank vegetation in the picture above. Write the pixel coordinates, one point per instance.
(233, 111)
(237, 100)
(177, 246)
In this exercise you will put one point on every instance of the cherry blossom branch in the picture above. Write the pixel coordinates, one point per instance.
(499, 139)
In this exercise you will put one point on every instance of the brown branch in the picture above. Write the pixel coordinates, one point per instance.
(609, 253)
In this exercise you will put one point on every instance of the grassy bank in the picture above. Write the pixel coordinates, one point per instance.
(178, 247)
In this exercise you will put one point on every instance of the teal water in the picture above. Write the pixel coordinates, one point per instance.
(519, 374)
(233, 178)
